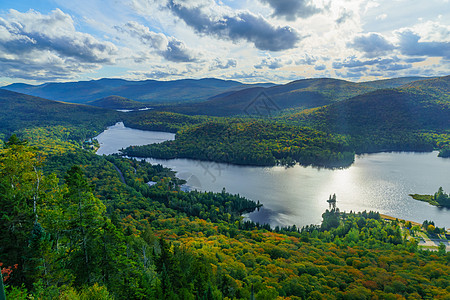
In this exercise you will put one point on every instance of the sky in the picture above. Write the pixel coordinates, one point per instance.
(245, 40)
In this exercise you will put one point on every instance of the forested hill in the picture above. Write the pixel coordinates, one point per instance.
(73, 227)
(89, 235)
(422, 105)
(151, 91)
(117, 102)
(299, 94)
(19, 111)
(393, 82)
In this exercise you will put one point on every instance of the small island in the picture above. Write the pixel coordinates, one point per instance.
(444, 152)
(440, 198)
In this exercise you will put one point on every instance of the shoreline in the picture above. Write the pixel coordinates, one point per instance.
(387, 217)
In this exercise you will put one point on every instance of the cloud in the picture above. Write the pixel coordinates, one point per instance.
(49, 46)
(381, 17)
(409, 44)
(221, 64)
(414, 59)
(320, 67)
(157, 72)
(376, 65)
(306, 60)
(394, 67)
(272, 63)
(351, 75)
(41, 66)
(344, 16)
(352, 62)
(234, 26)
(372, 45)
(25, 32)
(292, 9)
(170, 48)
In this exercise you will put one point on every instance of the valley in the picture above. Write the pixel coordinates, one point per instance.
(236, 206)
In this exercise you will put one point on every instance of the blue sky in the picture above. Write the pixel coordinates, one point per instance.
(248, 40)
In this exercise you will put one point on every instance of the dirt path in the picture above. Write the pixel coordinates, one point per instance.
(120, 173)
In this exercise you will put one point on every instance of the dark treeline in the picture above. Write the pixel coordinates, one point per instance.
(72, 230)
(252, 143)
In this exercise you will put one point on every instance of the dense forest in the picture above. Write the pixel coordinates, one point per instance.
(252, 143)
(162, 121)
(411, 117)
(19, 112)
(73, 228)
(296, 95)
(75, 225)
(117, 102)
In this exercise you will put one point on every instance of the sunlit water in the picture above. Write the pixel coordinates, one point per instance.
(297, 195)
(118, 137)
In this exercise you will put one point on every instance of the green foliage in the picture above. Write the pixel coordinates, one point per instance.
(252, 143)
(135, 247)
(76, 230)
(19, 111)
(412, 118)
(440, 198)
(162, 121)
(117, 102)
(300, 94)
(444, 152)
(2, 288)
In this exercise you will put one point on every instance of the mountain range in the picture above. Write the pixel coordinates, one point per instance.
(423, 104)
(148, 91)
(298, 95)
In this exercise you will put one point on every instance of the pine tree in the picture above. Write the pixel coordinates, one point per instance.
(84, 213)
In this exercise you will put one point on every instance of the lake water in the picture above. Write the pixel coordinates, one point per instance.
(297, 195)
(118, 137)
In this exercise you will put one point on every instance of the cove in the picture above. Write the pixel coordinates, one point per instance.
(297, 195)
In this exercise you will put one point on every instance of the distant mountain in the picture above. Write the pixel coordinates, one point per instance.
(117, 102)
(300, 94)
(393, 82)
(150, 91)
(418, 105)
(18, 111)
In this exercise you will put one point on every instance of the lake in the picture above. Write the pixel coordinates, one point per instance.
(297, 195)
(118, 136)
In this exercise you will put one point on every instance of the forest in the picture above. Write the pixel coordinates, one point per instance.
(412, 117)
(440, 198)
(73, 229)
(76, 225)
(252, 142)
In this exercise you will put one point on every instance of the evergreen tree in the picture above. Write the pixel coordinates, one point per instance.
(84, 213)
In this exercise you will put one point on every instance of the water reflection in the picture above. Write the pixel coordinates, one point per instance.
(298, 195)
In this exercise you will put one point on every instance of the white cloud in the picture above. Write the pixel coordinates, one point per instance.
(169, 48)
(224, 38)
(33, 45)
(381, 17)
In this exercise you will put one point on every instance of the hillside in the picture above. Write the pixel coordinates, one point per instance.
(300, 94)
(416, 106)
(251, 143)
(19, 111)
(96, 236)
(84, 226)
(150, 91)
(392, 82)
(412, 117)
(116, 102)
